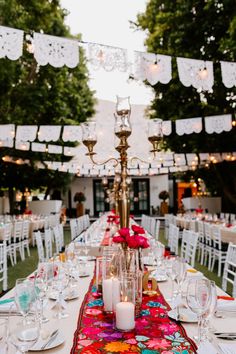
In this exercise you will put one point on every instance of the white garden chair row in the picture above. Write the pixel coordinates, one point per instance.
(229, 275)
(3, 265)
(16, 236)
(210, 246)
(151, 225)
(78, 225)
(44, 242)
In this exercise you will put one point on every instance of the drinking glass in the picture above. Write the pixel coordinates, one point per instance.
(23, 336)
(24, 296)
(198, 299)
(41, 287)
(170, 271)
(210, 312)
(60, 283)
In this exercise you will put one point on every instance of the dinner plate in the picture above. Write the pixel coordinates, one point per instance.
(70, 296)
(186, 315)
(55, 343)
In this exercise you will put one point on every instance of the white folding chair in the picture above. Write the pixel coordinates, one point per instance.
(3, 265)
(229, 275)
(39, 244)
(157, 230)
(174, 238)
(61, 231)
(219, 249)
(183, 250)
(208, 245)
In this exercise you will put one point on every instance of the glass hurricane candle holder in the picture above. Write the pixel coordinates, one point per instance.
(125, 309)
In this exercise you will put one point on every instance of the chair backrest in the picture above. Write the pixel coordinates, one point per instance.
(191, 249)
(7, 232)
(208, 237)
(3, 265)
(39, 244)
(61, 230)
(17, 230)
(232, 217)
(229, 274)
(157, 231)
(57, 238)
(152, 226)
(174, 238)
(200, 227)
(73, 229)
(185, 236)
(192, 225)
(25, 229)
(216, 237)
(48, 243)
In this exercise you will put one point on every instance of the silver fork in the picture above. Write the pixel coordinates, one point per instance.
(50, 340)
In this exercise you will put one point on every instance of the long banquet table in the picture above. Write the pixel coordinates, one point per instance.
(68, 325)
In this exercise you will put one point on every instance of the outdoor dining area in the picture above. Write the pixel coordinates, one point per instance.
(117, 177)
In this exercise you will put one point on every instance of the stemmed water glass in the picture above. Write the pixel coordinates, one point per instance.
(41, 283)
(198, 299)
(24, 296)
(210, 312)
(60, 283)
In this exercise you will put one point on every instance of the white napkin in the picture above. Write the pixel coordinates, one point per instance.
(226, 305)
(6, 305)
(228, 348)
(206, 347)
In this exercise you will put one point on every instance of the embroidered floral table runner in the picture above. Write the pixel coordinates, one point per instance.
(154, 333)
(106, 239)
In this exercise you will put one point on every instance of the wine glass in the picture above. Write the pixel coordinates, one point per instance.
(23, 336)
(41, 287)
(24, 296)
(170, 271)
(60, 283)
(210, 312)
(198, 299)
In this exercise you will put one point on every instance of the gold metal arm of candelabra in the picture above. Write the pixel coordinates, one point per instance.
(122, 132)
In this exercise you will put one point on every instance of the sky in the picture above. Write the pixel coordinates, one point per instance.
(107, 22)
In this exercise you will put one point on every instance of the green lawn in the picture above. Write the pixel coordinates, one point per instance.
(22, 269)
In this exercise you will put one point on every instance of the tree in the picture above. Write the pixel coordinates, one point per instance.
(30, 94)
(204, 29)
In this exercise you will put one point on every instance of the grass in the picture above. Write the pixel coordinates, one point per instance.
(23, 269)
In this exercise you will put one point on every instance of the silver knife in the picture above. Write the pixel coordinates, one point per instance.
(50, 340)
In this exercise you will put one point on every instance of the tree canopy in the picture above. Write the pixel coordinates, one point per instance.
(30, 94)
(206, 30)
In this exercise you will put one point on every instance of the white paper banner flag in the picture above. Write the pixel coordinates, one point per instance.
(55, 51)
(54, 149)
(7, 131)
(168, 163)
(164, 170)
(71, 151)
(180, 159)
(153, 67)
(173, 169)
(38, 147)
(7, 143)
(204, 156)
(26, 132)
(198, 73)
(108, 58)
(228, 73)
(192, 158)
(218, 124)
(22, 145)
(72, 133)
(188, 126)
(49, 132)
(166, 127)
(11, 43)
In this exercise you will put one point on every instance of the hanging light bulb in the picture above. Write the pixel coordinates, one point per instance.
(203, 73)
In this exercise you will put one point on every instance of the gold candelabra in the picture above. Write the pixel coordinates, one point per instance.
(122, 131)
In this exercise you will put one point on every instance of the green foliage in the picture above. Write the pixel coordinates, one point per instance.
(200, 30)
(30, 94)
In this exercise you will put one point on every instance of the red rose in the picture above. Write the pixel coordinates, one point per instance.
(124, 232)
(138, 230)
(142, 241)
(118, 239)
(132, 242)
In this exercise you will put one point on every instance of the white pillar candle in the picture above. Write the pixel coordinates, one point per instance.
(107, 294)
(125, 316)
(115, 292)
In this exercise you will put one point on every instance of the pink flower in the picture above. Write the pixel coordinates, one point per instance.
(158, 343)
(118, 239)
(124, 232)
(142, 241)
(132, 242)
(138, 230)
